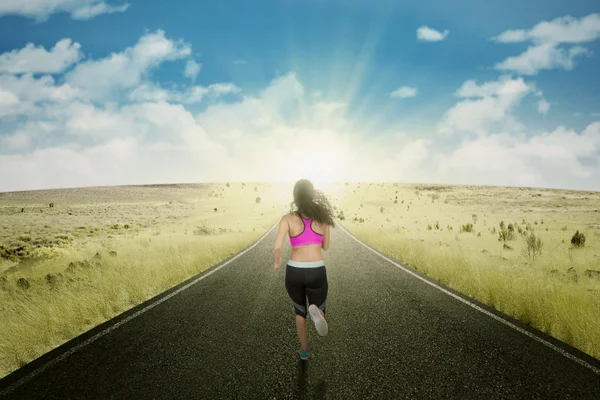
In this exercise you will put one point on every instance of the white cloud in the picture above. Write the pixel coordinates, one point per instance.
(192, 69)
(560, 30)
(24, 94)
(404, 92)
(149, 136)
(7, 99)
(42, 9)
(549, 39)
(194, 94)
(38, 60)
(431, 35)
(546, 160)
(543, 107)
(240, 62)
(543, 56)
(104, 78)
(492, 104)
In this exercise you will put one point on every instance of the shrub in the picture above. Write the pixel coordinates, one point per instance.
(578, 239)
(24, 238)
(429, 227)
(227, 184)
(23, 283)
(203, 230)
(381, 209)
(506, 233)
(533, 246)
(467, 228)
(257, 200)
(437, 225)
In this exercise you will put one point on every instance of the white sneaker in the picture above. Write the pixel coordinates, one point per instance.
(318, 319)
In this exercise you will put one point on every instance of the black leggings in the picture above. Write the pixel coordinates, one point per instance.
(306, 282)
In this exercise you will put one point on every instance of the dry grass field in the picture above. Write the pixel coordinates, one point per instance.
(533, 273)
(100, 251)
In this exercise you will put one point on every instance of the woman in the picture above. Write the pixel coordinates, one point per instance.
(305, 275)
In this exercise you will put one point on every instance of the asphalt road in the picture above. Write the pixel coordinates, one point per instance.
(231, 335)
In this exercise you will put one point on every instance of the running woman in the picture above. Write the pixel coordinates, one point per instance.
(305, 274)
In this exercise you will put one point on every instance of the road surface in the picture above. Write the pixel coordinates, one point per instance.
(231, 335)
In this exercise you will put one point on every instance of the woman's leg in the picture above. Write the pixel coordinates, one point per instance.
(317, 288)
(294, 283)
(302, 329)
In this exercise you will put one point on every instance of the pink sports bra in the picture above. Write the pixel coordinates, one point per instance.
(307, 236)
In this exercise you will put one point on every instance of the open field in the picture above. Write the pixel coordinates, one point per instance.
(550, 291)
(54, 287)
(100, 251)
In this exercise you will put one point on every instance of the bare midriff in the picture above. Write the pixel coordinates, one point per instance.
(306, 253)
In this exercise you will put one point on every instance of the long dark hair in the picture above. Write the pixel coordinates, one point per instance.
(311, 203)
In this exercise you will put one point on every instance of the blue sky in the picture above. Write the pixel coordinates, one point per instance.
(438, 91)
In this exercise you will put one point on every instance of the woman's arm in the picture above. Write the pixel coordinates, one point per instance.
(325, 244)
(283, 230)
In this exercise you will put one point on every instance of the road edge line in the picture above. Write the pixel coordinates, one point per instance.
(475, 306)
(151, 304)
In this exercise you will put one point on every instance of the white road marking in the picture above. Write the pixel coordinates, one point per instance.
(125, 320)
(497, 318)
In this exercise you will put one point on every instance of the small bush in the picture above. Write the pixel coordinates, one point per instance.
(466, 228)
(437, 225)
(533, 246)
(203, 230)
(257, 200)
(23, 283)
(578, 239)
(429, 227)
(507, 233)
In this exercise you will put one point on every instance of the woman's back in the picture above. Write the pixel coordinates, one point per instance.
(301, 251)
